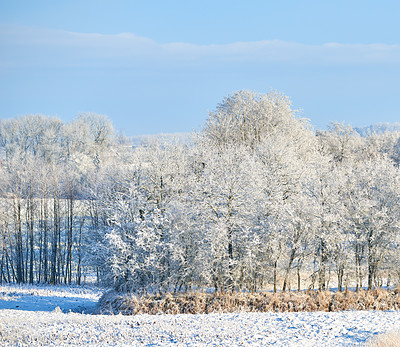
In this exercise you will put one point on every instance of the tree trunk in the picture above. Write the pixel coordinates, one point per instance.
(322, 268)
(54, 245)
(31, 240)
(19, 246)
(69, 241)
(298, 276)
(79, 266)
(291, 259)
(371, 262)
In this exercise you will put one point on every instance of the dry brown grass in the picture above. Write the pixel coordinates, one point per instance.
(193, 303)
(391, 339)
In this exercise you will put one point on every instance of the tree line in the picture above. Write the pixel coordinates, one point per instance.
(256, 200)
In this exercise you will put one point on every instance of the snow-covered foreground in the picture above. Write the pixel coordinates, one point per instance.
(29, 324)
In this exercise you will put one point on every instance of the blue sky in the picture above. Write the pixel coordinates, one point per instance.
(161, 66)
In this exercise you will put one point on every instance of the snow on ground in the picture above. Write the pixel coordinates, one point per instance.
(47, 298)
(37, 321)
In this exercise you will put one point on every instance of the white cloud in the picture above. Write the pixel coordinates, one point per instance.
(21, 46)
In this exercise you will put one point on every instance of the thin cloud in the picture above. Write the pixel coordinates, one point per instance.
(22, 46)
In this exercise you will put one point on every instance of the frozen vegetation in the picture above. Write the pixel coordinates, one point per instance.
(23, 322)
(257, 201)
(380, 128)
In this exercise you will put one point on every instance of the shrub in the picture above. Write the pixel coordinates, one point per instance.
(199, 302)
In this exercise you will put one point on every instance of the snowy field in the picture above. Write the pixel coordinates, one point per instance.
(35, 316)
(47, 298)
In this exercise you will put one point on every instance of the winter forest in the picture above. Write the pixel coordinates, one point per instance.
(256, 200)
